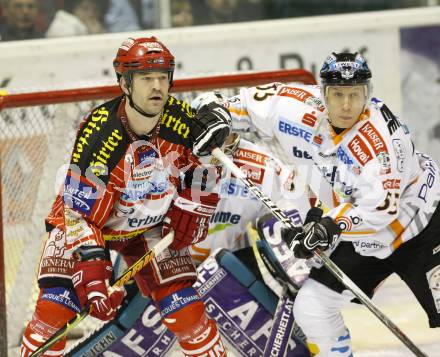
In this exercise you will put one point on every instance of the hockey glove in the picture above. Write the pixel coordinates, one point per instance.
(212, 126)
(207, 98)
(317, 233)
(292, 235)
(189, 219)
(92, 272)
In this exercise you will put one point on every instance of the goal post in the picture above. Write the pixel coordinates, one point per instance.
(37, 131)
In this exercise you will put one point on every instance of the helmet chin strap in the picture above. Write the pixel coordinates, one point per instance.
(138, 109)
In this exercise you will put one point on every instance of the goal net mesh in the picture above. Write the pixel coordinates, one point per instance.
(37, 131)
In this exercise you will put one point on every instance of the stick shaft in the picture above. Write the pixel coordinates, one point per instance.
(332, 267)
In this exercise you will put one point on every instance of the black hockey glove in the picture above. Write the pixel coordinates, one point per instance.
(212, 126)
(317, 233)
(291, 235)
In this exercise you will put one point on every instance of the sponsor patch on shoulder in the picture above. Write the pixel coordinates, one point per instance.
(79, 195)
(359, 150)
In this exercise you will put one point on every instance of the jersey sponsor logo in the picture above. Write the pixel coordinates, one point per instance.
(343, 156)
(103, 153)
(309, 119)
(249, 155)
(294, 130)
(369, 132)
(175, 124)
(346, 223)
(333, 154)
(137, 190)
(317, 140)
(147, 221)
(143, 173)
(368, 245)
(315, 102)
(430, 179)
(79, 195)
(384, 163)
(391, 184)
(295, 93)
(301, 154)
(360, 150)
(399, 151)
(255, 174)
(147, 156)
(225, 217)
(332, 175)
(235, 189)
(91, 126)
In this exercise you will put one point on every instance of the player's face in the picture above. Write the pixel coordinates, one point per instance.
(345, 104)
(150, 90)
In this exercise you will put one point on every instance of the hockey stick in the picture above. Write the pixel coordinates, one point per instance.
(332, 267)
(276, 279)
(124, 278)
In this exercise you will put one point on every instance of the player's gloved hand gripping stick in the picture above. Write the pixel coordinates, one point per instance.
(328, 263)
(124, 278)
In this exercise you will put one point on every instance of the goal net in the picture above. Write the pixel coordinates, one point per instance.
(37, 131)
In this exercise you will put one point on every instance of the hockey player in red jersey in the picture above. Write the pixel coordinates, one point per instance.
(135, 174)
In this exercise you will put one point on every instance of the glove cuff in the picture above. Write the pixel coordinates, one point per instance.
(206, 205)
(191, 206)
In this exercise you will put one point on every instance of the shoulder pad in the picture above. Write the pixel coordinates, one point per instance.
(100, 141)
(176, 122)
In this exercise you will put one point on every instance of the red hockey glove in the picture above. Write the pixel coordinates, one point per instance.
(91, 282)
(189, 219)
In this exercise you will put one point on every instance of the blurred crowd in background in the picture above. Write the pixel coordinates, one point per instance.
(31, 19)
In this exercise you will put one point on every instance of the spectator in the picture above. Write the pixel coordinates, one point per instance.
(20, 19)
(148, 13)
(181, 13)
(223, 11)
(121, 16)
(131, 15)
(79, 17)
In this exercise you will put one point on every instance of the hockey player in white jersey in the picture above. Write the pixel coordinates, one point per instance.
(238, 206)
(382, 194)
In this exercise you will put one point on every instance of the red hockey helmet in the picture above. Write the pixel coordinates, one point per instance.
(143, 54)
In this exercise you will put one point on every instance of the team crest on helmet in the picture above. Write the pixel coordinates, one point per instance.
(152, 46)
(126, 45)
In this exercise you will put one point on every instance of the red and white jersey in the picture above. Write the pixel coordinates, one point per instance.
(378, 188)
(118, 185)
(238, 206)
